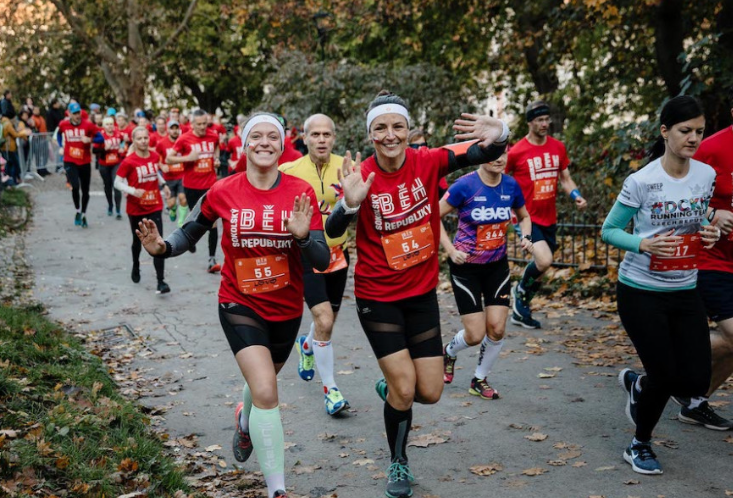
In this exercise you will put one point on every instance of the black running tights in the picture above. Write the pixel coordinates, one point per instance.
(79, 176)
(670, 333)
(156, 218)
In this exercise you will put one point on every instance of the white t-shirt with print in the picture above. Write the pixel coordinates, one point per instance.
(665, 203)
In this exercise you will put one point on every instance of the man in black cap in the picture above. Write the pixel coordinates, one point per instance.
(538, 162)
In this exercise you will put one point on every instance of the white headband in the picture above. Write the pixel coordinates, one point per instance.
(263, 118)
(387, 109)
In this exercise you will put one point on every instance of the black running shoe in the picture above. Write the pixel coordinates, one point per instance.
(399, 478)
(704, 415)
(627, 380)
(135, 273)
(163, 288)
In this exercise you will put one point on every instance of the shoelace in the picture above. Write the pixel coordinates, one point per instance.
(484, 385)
(399, 472)
(645, 452)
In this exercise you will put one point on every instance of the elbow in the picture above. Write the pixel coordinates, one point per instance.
(322, 263)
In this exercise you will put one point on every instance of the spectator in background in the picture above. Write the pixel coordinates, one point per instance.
(6, 104)
(41, 150)
(10, 147)
(54, 115)
(26, 126)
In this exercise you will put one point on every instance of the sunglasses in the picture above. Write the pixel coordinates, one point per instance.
(418, 145)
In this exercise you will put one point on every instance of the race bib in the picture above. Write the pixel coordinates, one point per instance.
(491, 236)
(409, 247)
(112, 157)
(338, 261)
(262, 274)
(545, 189)
(76, 152)
(685, 257)
(205, 165)
(149, 198)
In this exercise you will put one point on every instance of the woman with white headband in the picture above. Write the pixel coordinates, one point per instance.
(394, 195)
(261, 293)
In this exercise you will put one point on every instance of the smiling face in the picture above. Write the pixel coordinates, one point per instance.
(683, 139)
(389, 133)
(320, 139)
(263, 145)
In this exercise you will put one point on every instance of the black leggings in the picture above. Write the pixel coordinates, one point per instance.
(670, 333)
(159, 263)
(79, 176)
(108, 174)
(192, 197)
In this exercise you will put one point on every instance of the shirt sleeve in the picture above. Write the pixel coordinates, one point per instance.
(124, 169)
(510, 167)
(564, 160)
(316, 219)
(518, 196)
(455, 195)
(181, 146)
(613, 231)
(208, 203)
(630, 194)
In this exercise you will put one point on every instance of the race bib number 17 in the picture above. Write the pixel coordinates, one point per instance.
(684, 258)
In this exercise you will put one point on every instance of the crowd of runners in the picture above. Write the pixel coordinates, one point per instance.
(285, 218)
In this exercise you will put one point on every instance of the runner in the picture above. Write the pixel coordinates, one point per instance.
(479, 266)
(173, 174)
(323, 290)
(538, 162)
(657, 302)
(260, 317)
(198, 151)
(715, 278)
(76, 136)
(159, 134)
(111, 150)
(397, 269)
(125, 127)
(139, 178)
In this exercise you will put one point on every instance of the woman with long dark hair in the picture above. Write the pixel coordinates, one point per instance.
(661, 311)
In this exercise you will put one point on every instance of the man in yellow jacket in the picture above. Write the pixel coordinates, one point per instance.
(323, 290)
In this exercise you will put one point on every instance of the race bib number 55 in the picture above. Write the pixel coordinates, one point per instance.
(262, 274)
(409, 247)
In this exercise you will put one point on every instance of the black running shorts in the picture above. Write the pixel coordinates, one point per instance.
(471, 281)
(325, 287)
(716, 290)
(548, 234)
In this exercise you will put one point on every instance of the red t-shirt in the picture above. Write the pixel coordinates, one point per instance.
(259, 252)
(127, 132)
(185, 128)
(717, 151)
(142, 172)
(163, 148)
(290, 154)
(111, 146)
(537, 169)
(235, 149)
(76, 151)
(396, 203)
(199, 174)
(156, 137)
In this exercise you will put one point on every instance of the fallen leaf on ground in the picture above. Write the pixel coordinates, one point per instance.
(536, 436)
(607, 467)
(534, 471)
(557, 463)
(189, 441)
(363, 461)
(213, 447)
(569, 455)
(579, 464)
(545, 376)
(486, 470)
(425, 440)
(631, 482)
(305, 469)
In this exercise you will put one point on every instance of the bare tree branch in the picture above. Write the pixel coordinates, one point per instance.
(102, 47)
(178, 31)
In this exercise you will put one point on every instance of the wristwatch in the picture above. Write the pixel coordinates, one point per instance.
(528, 237)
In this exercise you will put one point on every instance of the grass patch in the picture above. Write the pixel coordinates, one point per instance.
(64, 429)
(15, 209)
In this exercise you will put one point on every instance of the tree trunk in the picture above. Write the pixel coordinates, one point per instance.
(669, 36)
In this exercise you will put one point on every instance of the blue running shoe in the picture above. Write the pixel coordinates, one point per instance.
(642, 459)
(627, 379)
(77, 219)
(335, 401)
(382, 390)
(399, 478)
(306, 361)
(521, 313)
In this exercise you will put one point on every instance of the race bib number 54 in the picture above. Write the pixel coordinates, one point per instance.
(684, 258)
(409, 247)
(262, 274)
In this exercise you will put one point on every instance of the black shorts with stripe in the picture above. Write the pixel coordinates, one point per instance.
(471, 282)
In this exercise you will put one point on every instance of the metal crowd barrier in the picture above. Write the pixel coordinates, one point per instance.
(39, 151)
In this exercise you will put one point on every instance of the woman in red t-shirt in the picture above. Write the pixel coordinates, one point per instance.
(110, 150)
(261, 293)
(397, 236)
(138, 176)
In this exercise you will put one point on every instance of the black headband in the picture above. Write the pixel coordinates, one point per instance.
(542, 110)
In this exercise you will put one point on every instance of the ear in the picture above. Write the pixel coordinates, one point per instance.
(663, 130)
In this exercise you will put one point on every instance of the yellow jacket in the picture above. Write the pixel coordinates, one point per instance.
(327, 186)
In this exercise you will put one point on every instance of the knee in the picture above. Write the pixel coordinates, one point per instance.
(496, 332)
(429, 396)
(474, 336)
(265, 399)
(543, 261)
(402, 394)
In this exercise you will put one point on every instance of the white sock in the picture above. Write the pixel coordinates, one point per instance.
(324, 362)
(309, 337)
(457, 344)
(488, 355)
(696, 401)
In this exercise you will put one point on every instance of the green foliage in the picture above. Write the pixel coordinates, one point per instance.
(299, 87)
(65, 425)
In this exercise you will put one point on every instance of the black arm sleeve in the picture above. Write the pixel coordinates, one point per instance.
(195, 226)
(315, 249)
(338, 221)
(474, 156)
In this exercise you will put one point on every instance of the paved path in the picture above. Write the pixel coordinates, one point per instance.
(83, 278)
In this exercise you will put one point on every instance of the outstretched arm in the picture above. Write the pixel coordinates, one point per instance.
(195, 226)
(487, 139)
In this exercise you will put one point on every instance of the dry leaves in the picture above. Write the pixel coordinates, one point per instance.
(425, 440)
(534, 471)
(486, 470)
(536, 436)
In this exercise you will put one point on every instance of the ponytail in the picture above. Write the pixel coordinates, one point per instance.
(657, 150)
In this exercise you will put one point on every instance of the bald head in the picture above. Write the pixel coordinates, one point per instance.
(320, 135)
